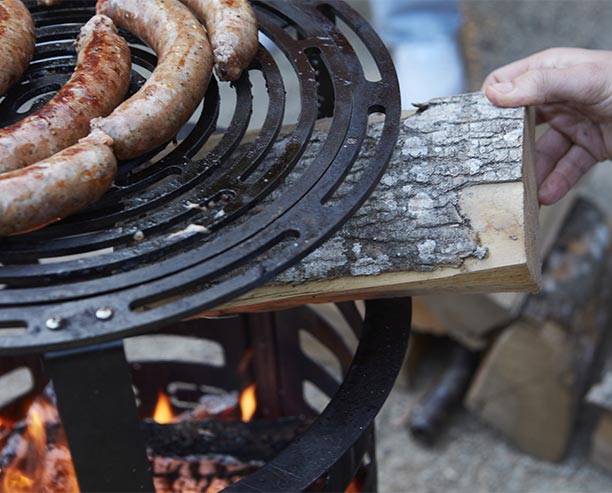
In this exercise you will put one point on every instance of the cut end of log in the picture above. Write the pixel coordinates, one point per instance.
(531, 203)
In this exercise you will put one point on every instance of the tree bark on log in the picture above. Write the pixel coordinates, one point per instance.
(456, 211)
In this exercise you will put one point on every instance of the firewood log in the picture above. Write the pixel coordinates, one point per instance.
(456, 211)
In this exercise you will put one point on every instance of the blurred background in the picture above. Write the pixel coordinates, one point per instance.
(508, 393)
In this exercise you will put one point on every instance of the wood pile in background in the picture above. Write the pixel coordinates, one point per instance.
(530, 385)
(599, 398)
(542, 351)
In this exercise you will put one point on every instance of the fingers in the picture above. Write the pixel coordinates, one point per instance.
(551, 58)
(569, 169)
(554, 75)
(559, 165)
(550, 148)
(507, 72)
(581, 84)
(572, 90)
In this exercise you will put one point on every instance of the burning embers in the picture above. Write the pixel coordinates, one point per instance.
(205, 449)
(201, 473)
(36, 457)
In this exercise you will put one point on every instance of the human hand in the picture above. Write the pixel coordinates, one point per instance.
(571, 90)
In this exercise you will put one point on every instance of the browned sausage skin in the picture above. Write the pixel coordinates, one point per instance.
(177, 85)
(232, 30)
(98, 84)
(58, 186)
(17, 38)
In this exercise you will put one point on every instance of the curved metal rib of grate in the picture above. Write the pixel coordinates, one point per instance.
(212, 214)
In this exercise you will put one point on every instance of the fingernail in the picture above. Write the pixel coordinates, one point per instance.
(547, 193)
(503, 87)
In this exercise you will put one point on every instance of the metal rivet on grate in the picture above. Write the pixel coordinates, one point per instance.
(104, 313)
(54, 323)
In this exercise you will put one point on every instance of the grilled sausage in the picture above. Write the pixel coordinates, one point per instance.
(177, 85)
(232, 29)
(56, 187)
(17, 38)
(98, 84)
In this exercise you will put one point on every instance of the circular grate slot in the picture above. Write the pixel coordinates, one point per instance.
(219, 210)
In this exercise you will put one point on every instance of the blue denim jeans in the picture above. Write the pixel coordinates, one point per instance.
(410, 21)
(423, 34)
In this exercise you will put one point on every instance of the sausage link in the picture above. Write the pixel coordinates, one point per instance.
(98, 84)
(56, 187)
(177, 85)
(17, 39)
(232, 29)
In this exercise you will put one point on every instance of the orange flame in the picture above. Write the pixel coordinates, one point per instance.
(25, 472)
(163, 410)
(248, 403)
(35, 464)
(354, 487)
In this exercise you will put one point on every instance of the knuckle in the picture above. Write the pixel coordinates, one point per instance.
(535, 85)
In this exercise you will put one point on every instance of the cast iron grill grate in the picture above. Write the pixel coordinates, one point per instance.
(212, 214)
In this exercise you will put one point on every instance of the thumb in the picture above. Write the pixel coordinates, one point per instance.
(580, 84)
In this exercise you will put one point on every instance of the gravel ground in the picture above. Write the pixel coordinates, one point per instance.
(472, 458)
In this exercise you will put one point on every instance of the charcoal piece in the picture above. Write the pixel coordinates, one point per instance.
(255, 440)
